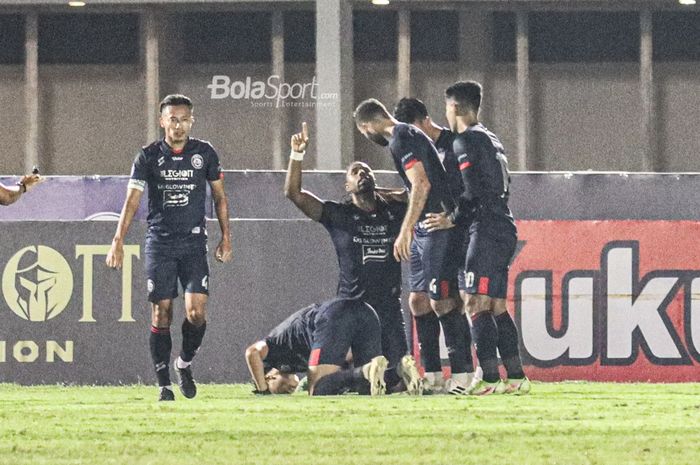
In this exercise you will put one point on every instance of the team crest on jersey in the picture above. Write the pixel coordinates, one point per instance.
(374, 253)
(197, 161)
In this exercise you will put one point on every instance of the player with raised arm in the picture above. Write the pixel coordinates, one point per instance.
(492, 239)
(176, 170)
(363, 232)
(318, 338)
(417, 161)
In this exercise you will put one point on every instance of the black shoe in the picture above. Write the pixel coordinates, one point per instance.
(165, 395)
(186, 381)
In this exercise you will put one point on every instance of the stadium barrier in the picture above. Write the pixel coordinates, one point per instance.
(606, 284)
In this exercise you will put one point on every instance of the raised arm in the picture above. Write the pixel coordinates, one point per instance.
(305, 201)
(9, 195)
(254, 356)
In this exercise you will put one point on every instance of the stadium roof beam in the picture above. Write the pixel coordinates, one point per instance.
(151, 57)
(646, 88)
(523, 90)
(403, 65)
(279, 120)
(31, 90)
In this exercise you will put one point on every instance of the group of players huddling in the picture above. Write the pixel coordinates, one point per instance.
(451, 223)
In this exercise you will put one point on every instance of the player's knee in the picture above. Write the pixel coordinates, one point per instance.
(445, 306)
(162, 314)
(499, 306)
(476, 304)
(419, 303)
(197, 316)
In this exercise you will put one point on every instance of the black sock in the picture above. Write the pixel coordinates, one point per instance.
(161, 344)
(338, 383)
(191, 339)
(428, 330)
(486, 339)
(508, 346)
(391, 377)
(455, 327)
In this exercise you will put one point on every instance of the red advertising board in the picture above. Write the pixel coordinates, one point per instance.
(608, 300)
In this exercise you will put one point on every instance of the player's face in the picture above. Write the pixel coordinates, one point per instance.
(177, 121)
(451, 114)
(372, 132)
(281, 383)
(423, 124)
(360, 179)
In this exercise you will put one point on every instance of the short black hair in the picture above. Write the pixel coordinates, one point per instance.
(175, 100)
(467, 95)
(409, 110)
(369, 110)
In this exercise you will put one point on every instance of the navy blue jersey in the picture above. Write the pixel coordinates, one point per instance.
(364, 244)
(289, 343)
(484, 168)
(449, 161)
(177, 186)
(408, 146)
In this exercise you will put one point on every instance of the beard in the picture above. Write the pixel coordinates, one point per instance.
(378, 139)
(366, 186)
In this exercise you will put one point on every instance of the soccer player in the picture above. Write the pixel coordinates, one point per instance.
(363, 232)
(413, 111)
(9, 195)
(318, 338)
(492, 239)
(176, 170)
(417, 161)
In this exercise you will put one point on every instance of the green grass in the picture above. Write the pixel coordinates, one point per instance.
(569, 423)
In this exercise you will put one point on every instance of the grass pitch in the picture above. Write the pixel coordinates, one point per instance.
(569, 423)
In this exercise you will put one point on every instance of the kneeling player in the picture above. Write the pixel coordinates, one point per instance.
(318, 338)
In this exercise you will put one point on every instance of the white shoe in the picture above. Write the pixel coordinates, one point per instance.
(374, 373)
(408, 372)
(433, 383)
(455, 388)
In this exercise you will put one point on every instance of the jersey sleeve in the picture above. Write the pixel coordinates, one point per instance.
(468, 153)
(332, 213)
(139, 172)
(214, 170)
(406, 154)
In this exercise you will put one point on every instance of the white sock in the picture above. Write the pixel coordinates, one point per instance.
(461, 378)
(180, 363)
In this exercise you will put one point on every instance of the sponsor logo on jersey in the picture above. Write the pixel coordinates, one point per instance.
(372, 253)
(175, 199)
(161, 160)
(197, 161)
(176, 174)
(372, 229)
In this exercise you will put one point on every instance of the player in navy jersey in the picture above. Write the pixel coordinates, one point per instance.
(492, 239)
(318, 338)
(176, 170)
(413, 111)
(363, 232)
(418, 163)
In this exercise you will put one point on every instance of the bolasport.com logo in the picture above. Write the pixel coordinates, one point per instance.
(38, 286)
(270, 93)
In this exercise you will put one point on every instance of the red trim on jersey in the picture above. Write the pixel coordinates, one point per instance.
(444, 289)
(465, 165)
(483, 285)
(410, 164)
(314, 357)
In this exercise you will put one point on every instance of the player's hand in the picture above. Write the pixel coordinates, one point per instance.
(31, 180)
(301, 139)
(402, 246)
(224, 252)
(115, 257)
(437, 221)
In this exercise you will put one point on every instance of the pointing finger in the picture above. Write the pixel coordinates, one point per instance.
(304, 131)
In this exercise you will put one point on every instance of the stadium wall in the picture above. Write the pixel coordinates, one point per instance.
(605, 286)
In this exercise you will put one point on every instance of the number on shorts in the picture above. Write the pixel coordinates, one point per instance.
(469, 278)
(433, 286)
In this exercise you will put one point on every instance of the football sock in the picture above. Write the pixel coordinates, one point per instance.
(191, 339)
(339, 382)
(486, 338)
(161, 344)
(428, 330)
(455, 327)
(508, 346)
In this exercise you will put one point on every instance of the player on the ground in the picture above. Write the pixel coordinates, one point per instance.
(176, 170)
(9, 195)
(363, 232)
(318, 338)
(492, 239)
(417, 161)
(413, 111)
